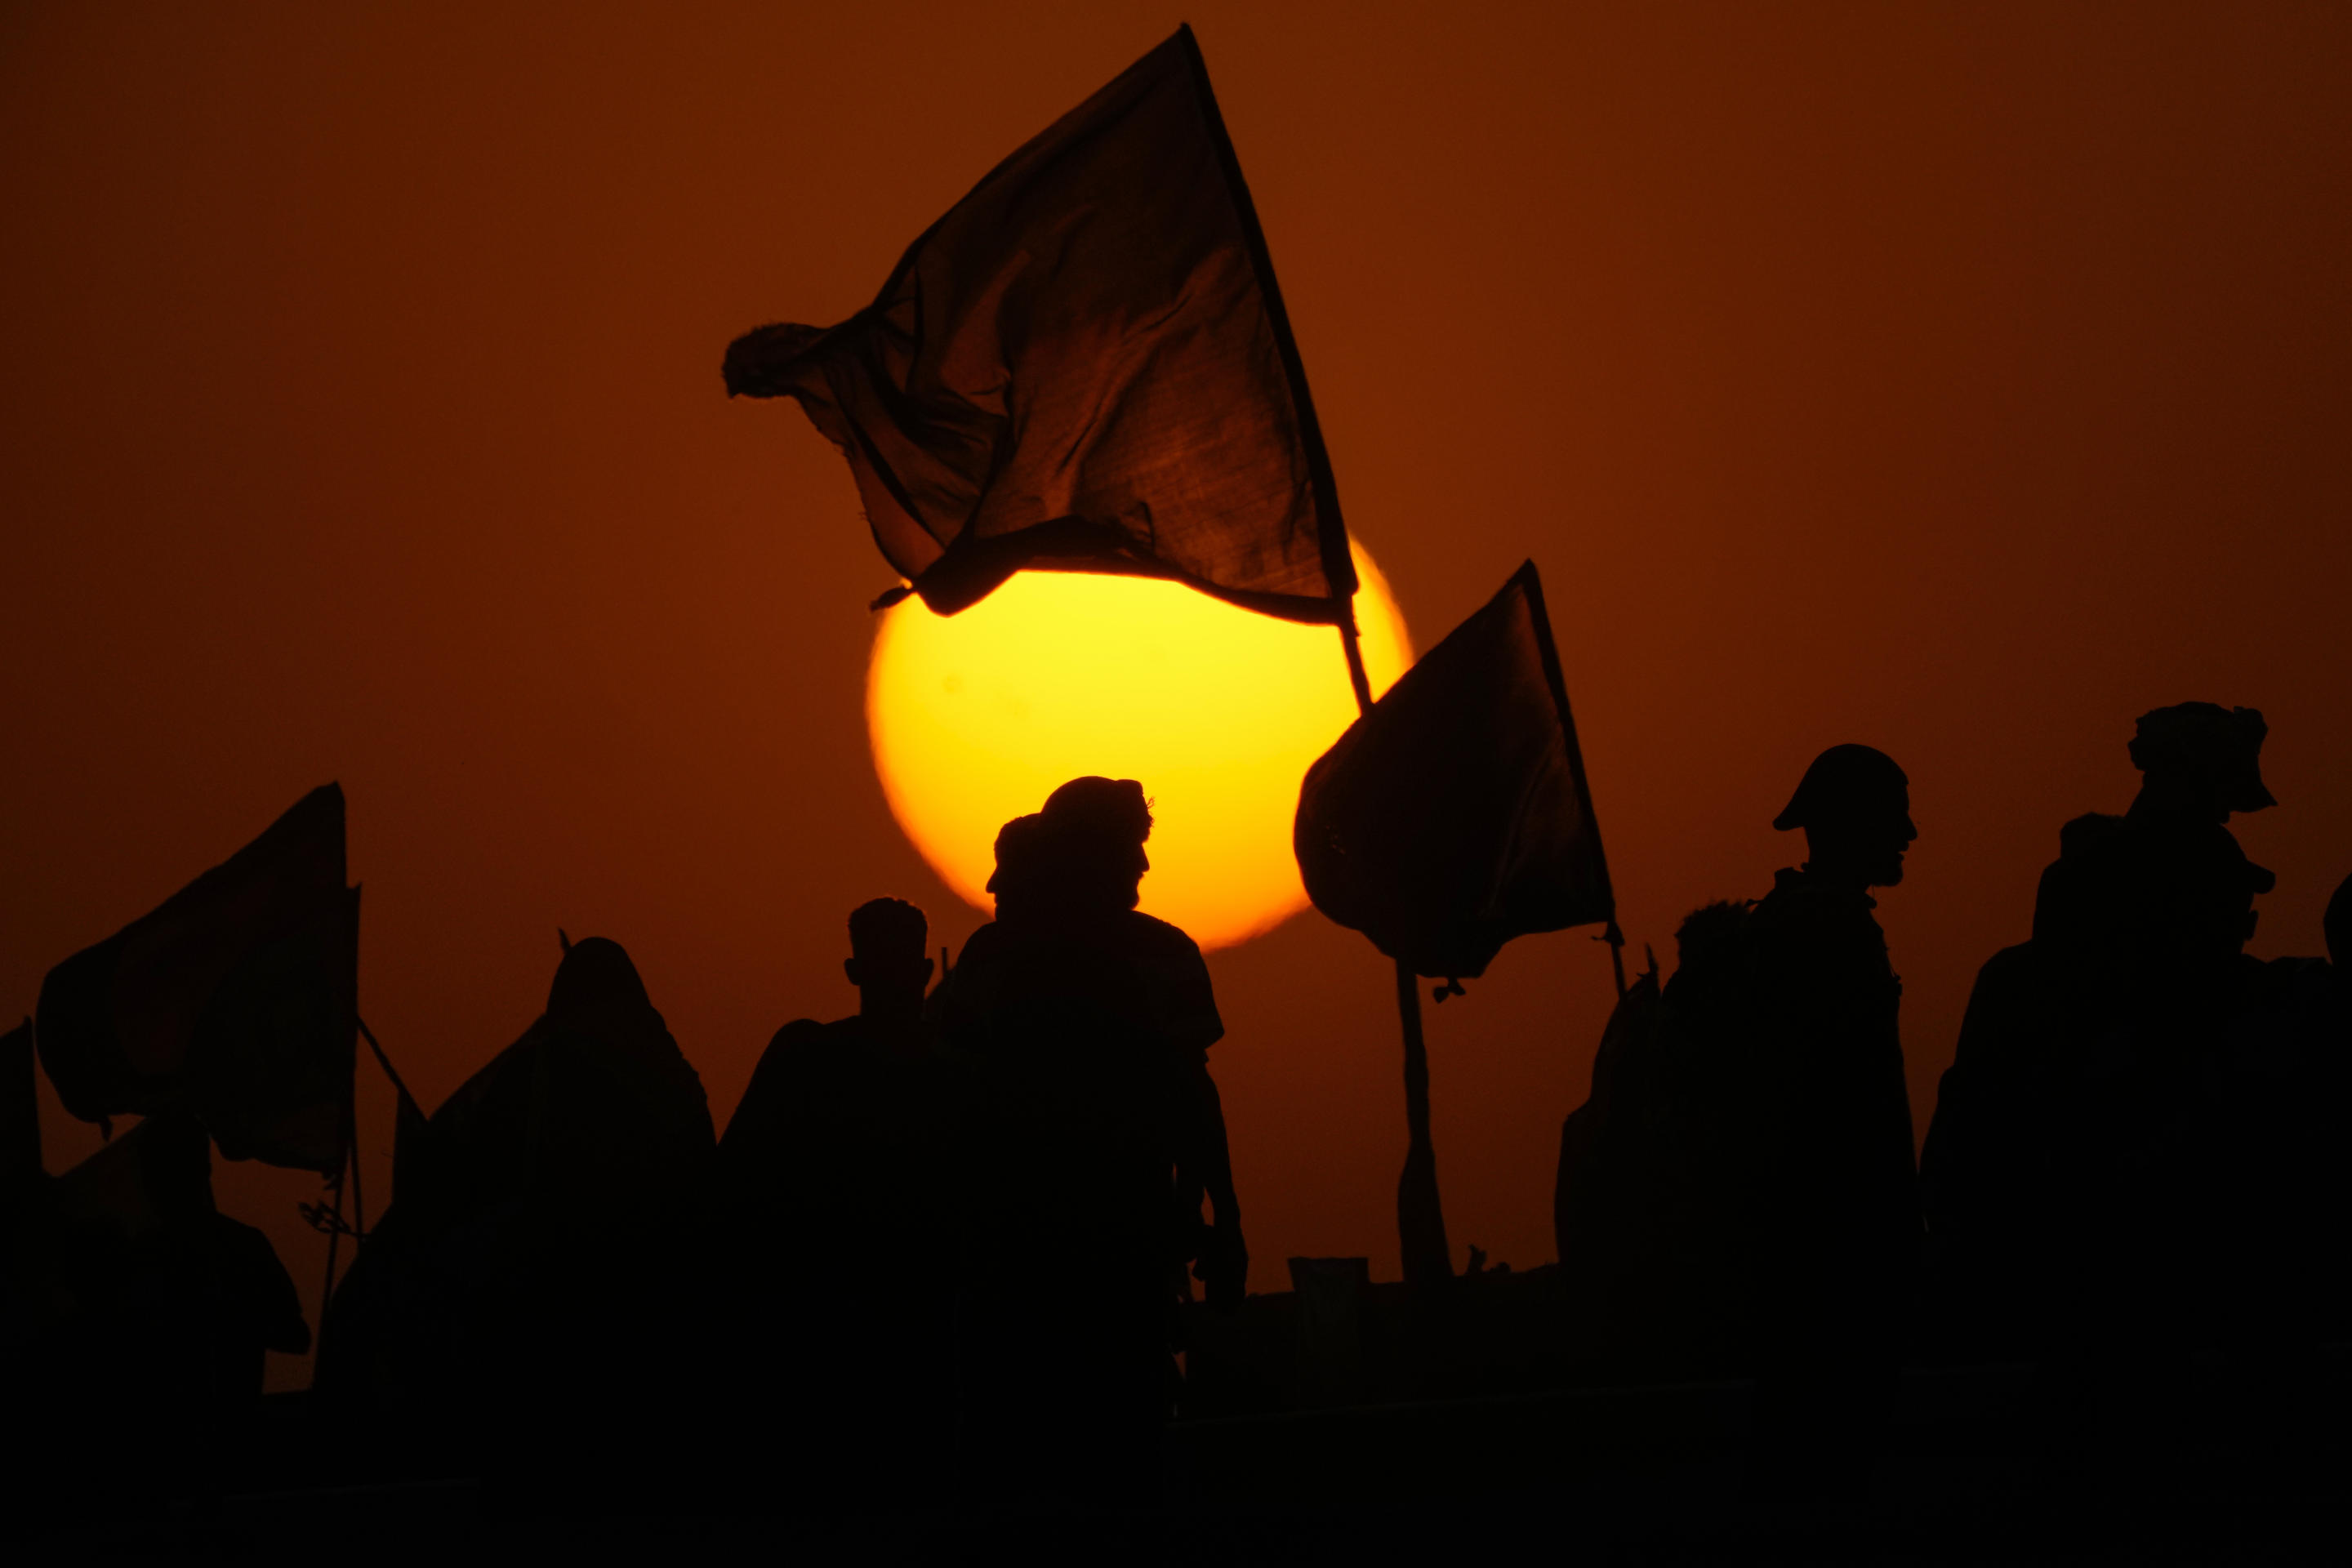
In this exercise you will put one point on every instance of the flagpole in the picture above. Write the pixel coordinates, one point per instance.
(1420, 1224)
(1420, 1217)
(380, 1059)
(327, 1290)
(359, 1201)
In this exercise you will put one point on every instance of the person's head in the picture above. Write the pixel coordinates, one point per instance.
(595, 979)
(2202, 759)
(1096, 829)
(887, 961)
(2336, 925)
(2203, 906)
(597, 992)
(1020, 865)
(1854, 806)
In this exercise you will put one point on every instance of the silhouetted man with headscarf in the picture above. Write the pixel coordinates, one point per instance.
(840, 1161)
(1089, 1024)
(1836, 1223)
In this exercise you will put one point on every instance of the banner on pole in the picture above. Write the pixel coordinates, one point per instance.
(1454, 815)
(235, 998)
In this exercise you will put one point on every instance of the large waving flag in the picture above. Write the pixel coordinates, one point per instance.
(236, 998)
(1453, 816)
(1083, 366)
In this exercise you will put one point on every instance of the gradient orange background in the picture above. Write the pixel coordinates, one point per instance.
(1964, 379)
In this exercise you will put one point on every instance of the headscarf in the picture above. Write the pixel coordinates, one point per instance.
(2219, 747)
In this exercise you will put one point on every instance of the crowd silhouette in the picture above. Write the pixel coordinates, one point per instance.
(2135, 1158)
(950, 1233)
(956, 1236)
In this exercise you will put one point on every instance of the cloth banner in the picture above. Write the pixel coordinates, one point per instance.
(235, 998)
(1455, 816)
(1083, 366)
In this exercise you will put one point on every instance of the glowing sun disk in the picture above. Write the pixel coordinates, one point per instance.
(975, 718)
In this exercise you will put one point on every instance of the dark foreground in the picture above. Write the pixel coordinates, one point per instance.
(1986, 1464)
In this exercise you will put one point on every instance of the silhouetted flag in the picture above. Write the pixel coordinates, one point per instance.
(236, 997)
(1455, 816)
(1083, 366)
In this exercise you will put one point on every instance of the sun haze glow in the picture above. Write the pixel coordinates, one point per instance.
(976, 718)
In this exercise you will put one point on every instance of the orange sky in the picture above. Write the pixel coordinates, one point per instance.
(1963, 380)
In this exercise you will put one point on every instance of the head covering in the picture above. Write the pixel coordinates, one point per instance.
(2221, 747)
(1100, 810)
(1093, 830)
(596, 977)
(1844, 783)
(598, 997)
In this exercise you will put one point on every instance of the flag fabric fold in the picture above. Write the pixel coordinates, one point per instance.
(236, 998)
(1454, 814)
(1085, 365)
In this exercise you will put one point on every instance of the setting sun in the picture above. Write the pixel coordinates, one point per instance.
(976, 717)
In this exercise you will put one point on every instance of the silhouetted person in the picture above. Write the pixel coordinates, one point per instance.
(1099, 1135)
(163, 1309)
(2200, 763)
(1835, 1222)
(542, 1286)
(1649, 1210)
(1603, 1193)
(1710, 1076)
(840, 1161)
(2092, 1027)
(212, 1289)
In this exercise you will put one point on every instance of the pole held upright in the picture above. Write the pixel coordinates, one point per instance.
(1421, 1216)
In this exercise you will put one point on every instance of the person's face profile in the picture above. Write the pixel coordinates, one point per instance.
(1897, 834)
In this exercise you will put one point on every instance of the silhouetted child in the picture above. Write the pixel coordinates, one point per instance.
(1101, 1133)
(840, 1157)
